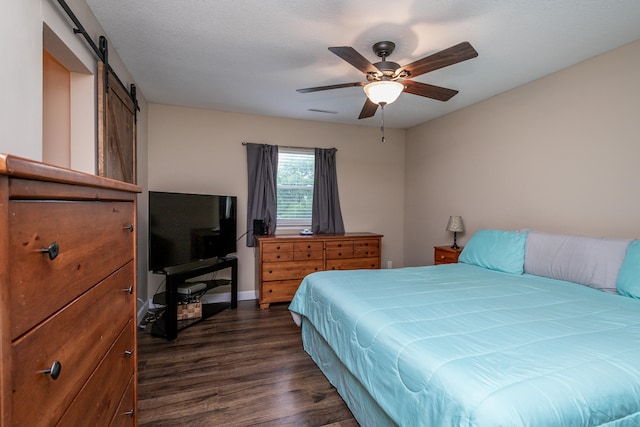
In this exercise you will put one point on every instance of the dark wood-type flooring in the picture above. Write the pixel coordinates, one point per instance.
(242, 367)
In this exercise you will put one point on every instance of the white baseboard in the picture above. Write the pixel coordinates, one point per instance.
(143, 310)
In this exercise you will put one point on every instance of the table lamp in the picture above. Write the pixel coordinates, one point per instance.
(455, 224)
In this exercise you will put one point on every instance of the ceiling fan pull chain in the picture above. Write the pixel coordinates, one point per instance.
(382, 127)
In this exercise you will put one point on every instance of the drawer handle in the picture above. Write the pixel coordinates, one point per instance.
(130, 413)
(128, 227)
(128, 353)
(278, 257)
(54, 371)
(278, 247)
(308, 255)
(53, 250)
(339, 253)
(129, 290)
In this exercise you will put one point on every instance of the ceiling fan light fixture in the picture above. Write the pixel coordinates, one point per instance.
(384, 91)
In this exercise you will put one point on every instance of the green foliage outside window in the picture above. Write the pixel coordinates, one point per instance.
(295, 184)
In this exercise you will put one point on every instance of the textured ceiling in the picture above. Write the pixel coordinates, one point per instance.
(250, 56)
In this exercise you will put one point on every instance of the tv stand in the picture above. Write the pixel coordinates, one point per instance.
(167, 326)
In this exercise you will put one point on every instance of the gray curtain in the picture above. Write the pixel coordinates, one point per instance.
(326, 217)
(262, 167)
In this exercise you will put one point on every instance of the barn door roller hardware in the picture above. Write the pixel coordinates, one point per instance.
(102, 52)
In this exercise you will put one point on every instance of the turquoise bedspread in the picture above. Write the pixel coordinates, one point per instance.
(459, 345)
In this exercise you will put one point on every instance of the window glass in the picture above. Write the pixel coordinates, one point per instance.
(295, 186)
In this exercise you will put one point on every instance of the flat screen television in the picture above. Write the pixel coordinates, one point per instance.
(186, 227)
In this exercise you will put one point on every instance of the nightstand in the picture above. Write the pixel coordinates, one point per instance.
(446, 254)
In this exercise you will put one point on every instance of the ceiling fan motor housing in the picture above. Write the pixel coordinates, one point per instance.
(387, 68)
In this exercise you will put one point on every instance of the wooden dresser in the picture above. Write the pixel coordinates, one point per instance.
(282, 261)
(67, 297)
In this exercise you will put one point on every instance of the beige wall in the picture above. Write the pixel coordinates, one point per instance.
(193, 150)
(21, 74)
(559, 154)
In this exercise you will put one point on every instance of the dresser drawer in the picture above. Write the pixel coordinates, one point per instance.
(289, 270)
(278, 247)
(307, 255)
(366, 251)
(353, 264)
(279, 290)
(337, 245)
(95, 402)
(78, 337)
(92, 243)
(308, 246)
(446, 255)
(339, 254)
(366, 248)
(446, 258)
(123, 416)
(277, 256)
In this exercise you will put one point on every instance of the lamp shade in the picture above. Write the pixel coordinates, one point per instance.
(455, 224)
(384, 91)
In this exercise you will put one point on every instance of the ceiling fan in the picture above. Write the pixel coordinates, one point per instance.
(386, 80)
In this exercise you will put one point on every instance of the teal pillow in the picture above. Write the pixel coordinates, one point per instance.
(628, 282)
(496, 250)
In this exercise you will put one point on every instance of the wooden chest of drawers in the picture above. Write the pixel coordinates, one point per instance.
(283, 261)
(67, 296)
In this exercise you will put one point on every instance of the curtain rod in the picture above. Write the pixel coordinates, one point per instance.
(286, 146)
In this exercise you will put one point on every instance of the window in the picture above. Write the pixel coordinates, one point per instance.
(295, 186)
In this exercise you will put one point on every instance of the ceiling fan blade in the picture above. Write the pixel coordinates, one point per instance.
(352, 56)
(444, 58)
(338, 86)
(368, 109)
(429, 91)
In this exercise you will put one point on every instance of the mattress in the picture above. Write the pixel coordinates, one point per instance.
(459, 345)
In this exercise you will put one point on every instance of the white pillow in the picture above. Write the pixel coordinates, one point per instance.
(590, 261)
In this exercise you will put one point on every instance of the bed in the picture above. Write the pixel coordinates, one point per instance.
(528, 329)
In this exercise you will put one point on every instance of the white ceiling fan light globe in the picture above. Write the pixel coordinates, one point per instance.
(384, 91)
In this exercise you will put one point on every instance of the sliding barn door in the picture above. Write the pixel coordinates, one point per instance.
(116, 129)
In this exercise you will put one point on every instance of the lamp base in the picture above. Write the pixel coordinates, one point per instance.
(455, 245)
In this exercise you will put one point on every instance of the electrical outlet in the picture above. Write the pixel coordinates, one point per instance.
(389, 264)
